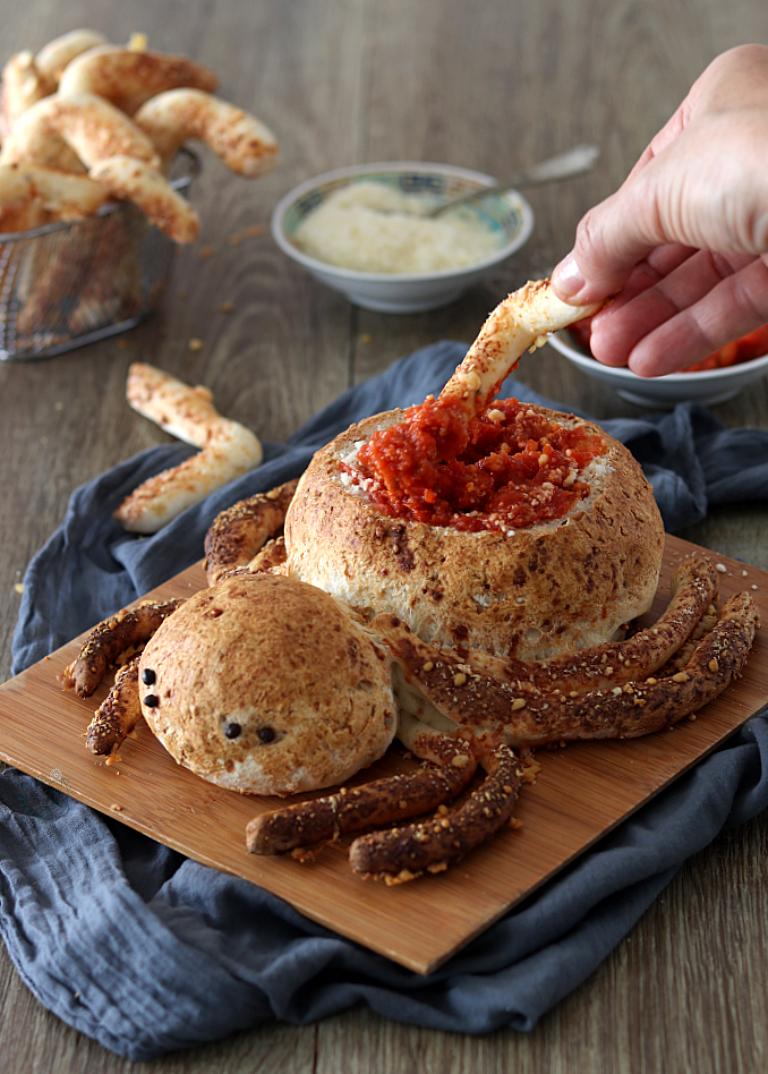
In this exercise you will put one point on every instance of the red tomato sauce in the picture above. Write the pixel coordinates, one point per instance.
(754, 345)
(505, 469)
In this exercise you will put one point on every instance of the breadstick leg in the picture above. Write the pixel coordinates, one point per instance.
(238, 533)
(382, 802)
(402, 854)
(525, 715)
(111, 638)
(118, 714)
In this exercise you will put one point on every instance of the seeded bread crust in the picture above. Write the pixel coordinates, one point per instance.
(267, 686)
(542, 591)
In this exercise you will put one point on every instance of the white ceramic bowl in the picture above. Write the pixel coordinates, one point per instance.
(507, 212)
(663, 393)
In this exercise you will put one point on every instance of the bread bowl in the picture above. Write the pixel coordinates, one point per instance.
(531, 593)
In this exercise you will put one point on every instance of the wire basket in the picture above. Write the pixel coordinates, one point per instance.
(70, 283)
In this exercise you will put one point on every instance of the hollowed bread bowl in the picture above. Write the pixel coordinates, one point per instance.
(532, 593)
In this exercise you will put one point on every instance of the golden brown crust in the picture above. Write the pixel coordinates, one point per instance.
(541, 591)
(384, 801)
(694, 587)
(270, 558)
(402, 854)
(524, 715)
(238, 533)
(107, 641)
(127, 78)
(118, 713)
(268, 686)
(227, 449)
(241, 141)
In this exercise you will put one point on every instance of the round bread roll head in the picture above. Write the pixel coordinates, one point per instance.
(531, 593)
(266, 685)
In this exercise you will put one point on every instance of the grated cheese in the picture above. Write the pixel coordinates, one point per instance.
(369, 227)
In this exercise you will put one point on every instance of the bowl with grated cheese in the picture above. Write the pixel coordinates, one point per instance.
(364, 231)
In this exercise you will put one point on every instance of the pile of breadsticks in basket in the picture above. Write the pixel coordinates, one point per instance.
(85, 122)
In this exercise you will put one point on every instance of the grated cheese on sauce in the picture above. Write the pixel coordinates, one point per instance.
(370, 227)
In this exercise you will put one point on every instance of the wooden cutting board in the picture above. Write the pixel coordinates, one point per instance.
(580, 793)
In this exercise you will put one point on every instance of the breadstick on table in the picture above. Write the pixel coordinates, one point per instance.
(228, 449)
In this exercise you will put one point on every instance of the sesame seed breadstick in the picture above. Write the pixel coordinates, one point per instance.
(402, 854)
(523, 715)
(107, 641)
(381, 802)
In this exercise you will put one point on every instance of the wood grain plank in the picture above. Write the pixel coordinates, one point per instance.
(581, 793)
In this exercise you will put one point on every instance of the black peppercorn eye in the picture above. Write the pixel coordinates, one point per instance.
(233, 730)
(266, 734)
(151, 701)
(148, 676)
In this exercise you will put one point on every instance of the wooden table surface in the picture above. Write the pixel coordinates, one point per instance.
(493, 86)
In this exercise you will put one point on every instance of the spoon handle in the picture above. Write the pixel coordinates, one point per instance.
(576, 161)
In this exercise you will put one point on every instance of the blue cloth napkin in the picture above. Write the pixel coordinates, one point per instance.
(148, 952)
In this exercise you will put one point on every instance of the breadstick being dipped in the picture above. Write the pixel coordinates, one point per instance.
(518, 324)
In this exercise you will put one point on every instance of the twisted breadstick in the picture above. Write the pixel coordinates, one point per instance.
(127, 78)
(27, 78)
(110, 639)
(401, 854)
(241, 141)
(450, 768)
(519, 323)
(241, 531)
(31, 195)
(52, 58)
(228, 449)
(522, 715)
(86, 132)
(74, 134)
(118, 713)
(128, 179)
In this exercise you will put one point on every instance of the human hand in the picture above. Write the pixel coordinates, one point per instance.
(683, 243)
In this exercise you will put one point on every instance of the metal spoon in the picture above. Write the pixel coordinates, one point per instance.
(576, 161)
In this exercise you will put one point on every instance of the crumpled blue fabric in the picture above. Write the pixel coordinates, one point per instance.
(148, 952)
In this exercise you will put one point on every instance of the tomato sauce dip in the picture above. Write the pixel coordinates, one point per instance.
(504, 469)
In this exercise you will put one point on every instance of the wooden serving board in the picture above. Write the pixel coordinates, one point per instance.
(580, 793)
